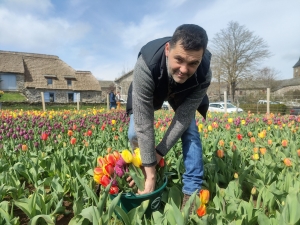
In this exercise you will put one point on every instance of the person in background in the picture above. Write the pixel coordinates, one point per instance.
(176, 69)
(118, 98)
(112, 100)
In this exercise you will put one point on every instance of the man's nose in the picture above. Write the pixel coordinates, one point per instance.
(183, 69)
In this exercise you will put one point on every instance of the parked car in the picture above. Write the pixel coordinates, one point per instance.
(220, 107)
(295, 110)
(165, 105)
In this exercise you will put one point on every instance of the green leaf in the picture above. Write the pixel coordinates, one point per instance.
(137, 176)
(46, 218)
(123, 215)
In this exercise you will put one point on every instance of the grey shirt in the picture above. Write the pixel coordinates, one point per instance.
(143, 111)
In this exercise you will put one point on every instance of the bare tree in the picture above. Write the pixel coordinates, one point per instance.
(238, 52)
(267, 76)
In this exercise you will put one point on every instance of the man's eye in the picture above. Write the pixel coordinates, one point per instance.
(179, 60)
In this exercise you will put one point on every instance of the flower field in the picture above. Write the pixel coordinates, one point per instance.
(47, 161)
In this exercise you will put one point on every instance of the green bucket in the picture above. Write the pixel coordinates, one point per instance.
(128, 201)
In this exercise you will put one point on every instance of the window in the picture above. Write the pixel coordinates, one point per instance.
(51, 97)
(49, 81)
(69, 82)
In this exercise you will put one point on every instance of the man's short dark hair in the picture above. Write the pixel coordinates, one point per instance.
(190, 36)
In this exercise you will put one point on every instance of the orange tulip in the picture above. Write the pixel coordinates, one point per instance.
(220, 153)
(270, 142)
(284, 143)
(252, 139)
(255, 150)
(101, 161)
(70, 133)
(221, 143)
(73, 141)
(298, 152)
(116, 155)
(263, 151)
(108, 149)
(250, 134)
(24, 148)
(74, 126)
(204, 196)
(201, 211)
(287, 162)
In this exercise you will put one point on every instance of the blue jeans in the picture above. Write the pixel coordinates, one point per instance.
(112, 105)
(192, 156)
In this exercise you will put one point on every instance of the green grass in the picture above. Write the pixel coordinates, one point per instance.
(12, 97)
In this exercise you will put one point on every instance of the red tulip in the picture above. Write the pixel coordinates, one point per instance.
(89, 133)
(161, 162)
(108, 169)
(113, 190)
(104, 180)
(239, 137)
(201, 211)
(73, 141)
(44, 136)
(110, 158)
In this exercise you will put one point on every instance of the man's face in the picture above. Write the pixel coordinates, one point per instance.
(182, 64)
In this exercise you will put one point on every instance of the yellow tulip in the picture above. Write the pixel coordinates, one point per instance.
(230, 120)
(127, 156)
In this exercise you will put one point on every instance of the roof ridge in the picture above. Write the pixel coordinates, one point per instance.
(27, 54)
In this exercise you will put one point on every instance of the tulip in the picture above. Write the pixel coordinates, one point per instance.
(110, 158)
(127, 156)
(161, 162)
(250, 134)
(230, 120)
(209, 128)
(201, 211)
(113, 190)
(104, 180)
(221, 143)
(113, 122)
(101, 161)
(253, 191)
(204, 196)
(108, 169)
(263, 151)
(220, 153)
(236, 175)
(284, 143)
(24, 148)
(89, 133)
(269, 142)
(116, 155)
(255, 150)
(287, 162)
(108, 149)
(252, 139)
(298, 152)
(73, 141)
(70, 133)
(255, 156)
(136, 161)
(44, 136)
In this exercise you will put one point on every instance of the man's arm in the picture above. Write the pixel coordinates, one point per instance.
(183, 117)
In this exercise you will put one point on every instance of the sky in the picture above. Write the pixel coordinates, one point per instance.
(105, 36)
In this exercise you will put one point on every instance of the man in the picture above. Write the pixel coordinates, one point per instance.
(118, 98)
(176, 69)
(112, 100)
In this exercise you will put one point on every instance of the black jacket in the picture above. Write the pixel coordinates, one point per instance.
(154, 56)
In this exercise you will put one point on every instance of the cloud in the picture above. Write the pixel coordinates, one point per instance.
(33, 33)
(21, 6)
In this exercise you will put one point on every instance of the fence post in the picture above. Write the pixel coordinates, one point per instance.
(225, 101)
(43, 101)
(107, 101)
(268, 101)
(77, 96)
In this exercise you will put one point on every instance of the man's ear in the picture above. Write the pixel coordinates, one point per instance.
(167, 49)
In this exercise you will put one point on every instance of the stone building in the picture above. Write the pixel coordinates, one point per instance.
(32, 74)
(123, 83)
(296, 68)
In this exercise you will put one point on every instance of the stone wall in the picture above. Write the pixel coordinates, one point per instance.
(61, 96)
(282, 91)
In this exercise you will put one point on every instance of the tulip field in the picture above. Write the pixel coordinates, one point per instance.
(47, 161)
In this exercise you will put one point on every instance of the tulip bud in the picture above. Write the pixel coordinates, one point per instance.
(253, 191)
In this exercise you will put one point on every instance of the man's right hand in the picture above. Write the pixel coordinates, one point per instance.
(150, 180)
